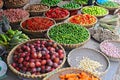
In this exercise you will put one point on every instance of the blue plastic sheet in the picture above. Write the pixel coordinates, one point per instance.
(101, 1)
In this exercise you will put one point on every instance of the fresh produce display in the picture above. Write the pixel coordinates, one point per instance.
(106, 29)
(95, 10)
(15, 15)
(83, 19)
(57, 13)
(110, 4)
(78, 76)
(90, 65)
(12, 38)
(36, 7)
(110, 49)
(37, 57)
(82, 1)
(71, 5)
(50, 2)
(68, 33)
(37, 23)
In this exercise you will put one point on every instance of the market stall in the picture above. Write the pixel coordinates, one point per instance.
(59, 40)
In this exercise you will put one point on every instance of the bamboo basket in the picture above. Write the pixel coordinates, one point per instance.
(10, 60)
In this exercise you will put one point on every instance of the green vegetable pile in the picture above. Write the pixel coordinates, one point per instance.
(50, 2)
(110, 4)
(95, 10)
(71, 6)
(82, 1)
(68, 33)
(12, 38)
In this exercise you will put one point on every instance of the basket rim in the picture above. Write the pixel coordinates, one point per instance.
(100, 46)
(108, 65)
(85, 24)
(44, 10)
(71, 68)
(38, 30)
(96, 15)
(57, 19)
(73, 45)
(32, 76)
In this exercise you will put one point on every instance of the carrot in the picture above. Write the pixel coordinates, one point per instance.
(81, 76)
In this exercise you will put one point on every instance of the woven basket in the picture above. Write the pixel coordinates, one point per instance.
(40, 33)
(76, 55)
(69, 46)
(55, 75)
(96, 16)
(37, 13)
(117, 44)
(11, 5)
(9, 61)
(110, 9)
(87, 26)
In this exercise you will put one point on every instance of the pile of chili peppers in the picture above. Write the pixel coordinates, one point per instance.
(57, 13)
(37, 23)
(83, 19)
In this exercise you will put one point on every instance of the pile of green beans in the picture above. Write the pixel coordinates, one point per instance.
(50, 2)
(71, 6)
(68, 33)
(95, 10)
(110, 4)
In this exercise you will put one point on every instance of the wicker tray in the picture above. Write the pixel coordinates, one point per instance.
(87, 26)
(55, 75)
(117, 44)
(8, 5)
(77, 54)
(36, 13)
(40, 33)
(9, 60)
(69, 46)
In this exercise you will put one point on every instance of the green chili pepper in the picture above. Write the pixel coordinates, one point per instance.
(68, 33)
(50, 2)
(71, 6)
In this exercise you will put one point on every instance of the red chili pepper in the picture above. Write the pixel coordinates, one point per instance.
(57, 13)
(83, 19)
(36, 24)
